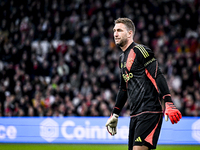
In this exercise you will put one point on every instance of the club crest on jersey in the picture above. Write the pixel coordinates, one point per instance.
(130, 59)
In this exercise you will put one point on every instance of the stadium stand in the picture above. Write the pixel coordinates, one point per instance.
(57, 58)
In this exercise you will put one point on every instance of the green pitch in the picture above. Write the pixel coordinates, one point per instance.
(88, 147)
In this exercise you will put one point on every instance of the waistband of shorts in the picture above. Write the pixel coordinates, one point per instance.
(147, 112)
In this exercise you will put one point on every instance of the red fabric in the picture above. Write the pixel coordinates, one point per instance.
(152, 79)
(62, 48)
(149, 138)
(130, 59)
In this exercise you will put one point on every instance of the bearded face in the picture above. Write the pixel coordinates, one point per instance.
(120, 34)
(122, 42)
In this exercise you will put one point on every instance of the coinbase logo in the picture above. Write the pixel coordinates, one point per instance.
(49, 130)
(10, 132)
(196, 130)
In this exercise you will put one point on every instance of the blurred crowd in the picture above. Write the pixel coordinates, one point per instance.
(58, 58)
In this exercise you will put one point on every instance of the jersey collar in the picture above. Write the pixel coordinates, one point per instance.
(130, 47)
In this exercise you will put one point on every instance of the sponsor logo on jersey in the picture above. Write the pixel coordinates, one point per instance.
(150, 61)
(127, 76)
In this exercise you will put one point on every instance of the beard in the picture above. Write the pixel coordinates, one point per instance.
(122, 43)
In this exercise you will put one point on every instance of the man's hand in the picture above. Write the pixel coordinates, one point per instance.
(172, 112)
(111, 124)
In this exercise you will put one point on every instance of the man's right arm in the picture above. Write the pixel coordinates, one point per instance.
(121, 96)
(120, 101)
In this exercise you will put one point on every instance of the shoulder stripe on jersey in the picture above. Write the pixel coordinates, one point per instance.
(143, 51)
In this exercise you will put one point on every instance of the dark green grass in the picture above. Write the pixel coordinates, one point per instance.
(88, 147)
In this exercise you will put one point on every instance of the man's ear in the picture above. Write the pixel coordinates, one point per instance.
(130, 33)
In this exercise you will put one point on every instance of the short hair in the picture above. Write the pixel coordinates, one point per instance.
(127, 22)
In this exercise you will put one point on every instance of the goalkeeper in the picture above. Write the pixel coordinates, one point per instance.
(141, 83)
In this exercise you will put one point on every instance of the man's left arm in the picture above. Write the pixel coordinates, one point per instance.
(170, 110)
(146, 57)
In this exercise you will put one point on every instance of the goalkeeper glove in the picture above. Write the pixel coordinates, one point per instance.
(112, 124)
(172, 112)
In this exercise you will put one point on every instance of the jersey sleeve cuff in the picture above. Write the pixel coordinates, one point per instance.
(167, 98)
(116, 110)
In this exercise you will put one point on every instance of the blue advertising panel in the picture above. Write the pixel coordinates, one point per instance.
(89, 130)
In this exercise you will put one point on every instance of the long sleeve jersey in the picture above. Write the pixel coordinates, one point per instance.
(141, 81)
